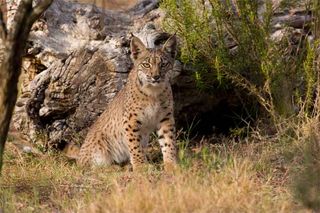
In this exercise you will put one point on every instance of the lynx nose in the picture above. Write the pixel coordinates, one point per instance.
(156, 77)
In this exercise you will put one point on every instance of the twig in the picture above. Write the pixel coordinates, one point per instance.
(3, 27)
(39, 9)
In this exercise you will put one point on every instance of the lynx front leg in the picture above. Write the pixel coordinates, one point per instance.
(167, 140)
(133, 137)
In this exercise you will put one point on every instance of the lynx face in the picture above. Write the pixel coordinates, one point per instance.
(153, 64)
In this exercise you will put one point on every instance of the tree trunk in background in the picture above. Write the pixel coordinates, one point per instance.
(14, 43)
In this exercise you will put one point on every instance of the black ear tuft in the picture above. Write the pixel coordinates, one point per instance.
(136, 47)
(170, 46)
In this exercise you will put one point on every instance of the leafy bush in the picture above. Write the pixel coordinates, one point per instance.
(230, 42)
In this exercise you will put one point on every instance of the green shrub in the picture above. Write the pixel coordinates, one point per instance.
(230, 44)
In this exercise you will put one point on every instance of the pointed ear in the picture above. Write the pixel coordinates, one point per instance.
(170, 46)
(137, 47)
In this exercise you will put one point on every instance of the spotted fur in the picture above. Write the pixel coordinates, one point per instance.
(144, 105)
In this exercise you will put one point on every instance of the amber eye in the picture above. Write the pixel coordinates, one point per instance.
(146, 65)
(164, 64)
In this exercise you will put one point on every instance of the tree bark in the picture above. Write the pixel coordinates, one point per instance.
(14, 44)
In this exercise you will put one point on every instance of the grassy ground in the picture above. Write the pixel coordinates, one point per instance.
(230, 177)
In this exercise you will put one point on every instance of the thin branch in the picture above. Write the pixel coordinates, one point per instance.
(20, 20)
(39, 9)
(25, 16)
(10, 68)
(3, 27)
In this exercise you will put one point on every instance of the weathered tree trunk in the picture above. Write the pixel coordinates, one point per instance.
(14, 43)
(77, 62)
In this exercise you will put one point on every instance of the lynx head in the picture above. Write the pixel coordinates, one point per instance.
(153, 64)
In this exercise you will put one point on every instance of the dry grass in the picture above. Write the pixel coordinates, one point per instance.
(110, 4)
(233, 190)
(234, 177)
